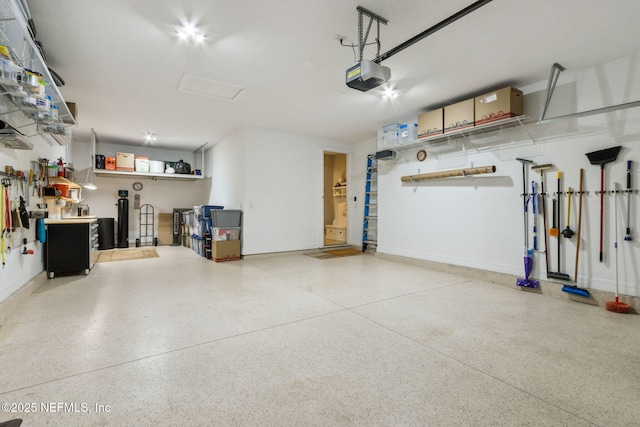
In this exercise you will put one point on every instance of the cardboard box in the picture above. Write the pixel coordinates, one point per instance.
(142, 164)
(498, 105)
(165, 228)
(125, 162)
(459, 115)
(431, 123)
(225, 250)
(73, 109)
(110, 163)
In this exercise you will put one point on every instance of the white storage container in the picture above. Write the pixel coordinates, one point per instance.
(408, 132)
(390, 135)
(156, 166)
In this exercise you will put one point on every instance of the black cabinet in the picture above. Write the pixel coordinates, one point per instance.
(71, 247)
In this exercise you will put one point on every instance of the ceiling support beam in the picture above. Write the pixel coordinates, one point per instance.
(440, 25)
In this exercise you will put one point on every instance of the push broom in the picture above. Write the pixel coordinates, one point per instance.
(575, 289)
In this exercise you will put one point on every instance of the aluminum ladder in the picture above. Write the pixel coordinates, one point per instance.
(370, 227)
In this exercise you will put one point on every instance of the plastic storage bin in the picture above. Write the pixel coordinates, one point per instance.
(225, 218)
(408, 132)
(390, 135)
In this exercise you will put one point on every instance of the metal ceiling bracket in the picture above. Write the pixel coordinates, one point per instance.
(556, 69)
(362, 39)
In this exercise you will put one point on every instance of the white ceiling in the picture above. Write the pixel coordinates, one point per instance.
(123, 63)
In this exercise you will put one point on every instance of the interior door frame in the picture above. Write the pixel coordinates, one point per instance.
(347, 153)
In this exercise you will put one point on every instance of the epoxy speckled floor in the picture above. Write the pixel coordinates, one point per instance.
(289, 340)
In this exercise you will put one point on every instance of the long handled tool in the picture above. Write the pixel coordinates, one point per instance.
(568, 232)
(528, 254)
(575, 289)
(627, 236)
(616, 306)
(558, 274)
(541, 169)
(601, 158)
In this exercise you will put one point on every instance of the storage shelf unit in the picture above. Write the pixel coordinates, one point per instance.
(151, 175)
(477, 138)
(71, 184)
(169, 176)
(15, 35)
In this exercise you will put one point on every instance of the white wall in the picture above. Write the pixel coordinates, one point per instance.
(18, 268)
(283, 188)
(477, 221)
(163, 195)
(227, 172)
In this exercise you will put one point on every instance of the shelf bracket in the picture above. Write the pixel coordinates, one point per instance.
(554, 74)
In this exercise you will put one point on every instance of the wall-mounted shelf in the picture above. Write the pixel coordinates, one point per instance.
(468, 134)
(151, 175)
(340, 191)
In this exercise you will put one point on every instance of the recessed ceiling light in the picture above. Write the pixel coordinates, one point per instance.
(150, 137)
(389, 93)
(189, 32)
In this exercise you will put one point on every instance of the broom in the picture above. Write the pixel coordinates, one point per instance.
(574, 289)
(616, 306)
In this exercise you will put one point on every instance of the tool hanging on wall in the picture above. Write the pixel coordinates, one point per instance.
(3, 218)
(568, 232)
(616, 306)
(528, 253)
(541, 169)
(601, 158)
(627, 236)
(558, 275)
(534, 211)
(553, 231)
(575, 289)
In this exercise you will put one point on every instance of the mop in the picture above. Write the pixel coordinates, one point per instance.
(616, 306)
(528, 254)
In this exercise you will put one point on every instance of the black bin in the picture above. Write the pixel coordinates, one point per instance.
(106, 233)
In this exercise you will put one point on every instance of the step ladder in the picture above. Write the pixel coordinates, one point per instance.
(370, 228)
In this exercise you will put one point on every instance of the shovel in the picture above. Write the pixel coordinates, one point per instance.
(601, 158)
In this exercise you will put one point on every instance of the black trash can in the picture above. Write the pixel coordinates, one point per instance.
(106, 233)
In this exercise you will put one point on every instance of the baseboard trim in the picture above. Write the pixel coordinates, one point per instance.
(547, 287)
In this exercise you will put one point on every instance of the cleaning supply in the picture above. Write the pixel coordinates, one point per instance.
(627, 236)
(528, 254)
(575, 289)
(601, 158)
(558, 275)
(568, 232)
(541, 169)
(616, 305)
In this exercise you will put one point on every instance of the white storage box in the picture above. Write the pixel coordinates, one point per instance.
(156, 166)
(408, 132)
(390, 135)
(228, 233)
(142, 164)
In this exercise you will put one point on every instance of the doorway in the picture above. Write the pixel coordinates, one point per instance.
(335, 199)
